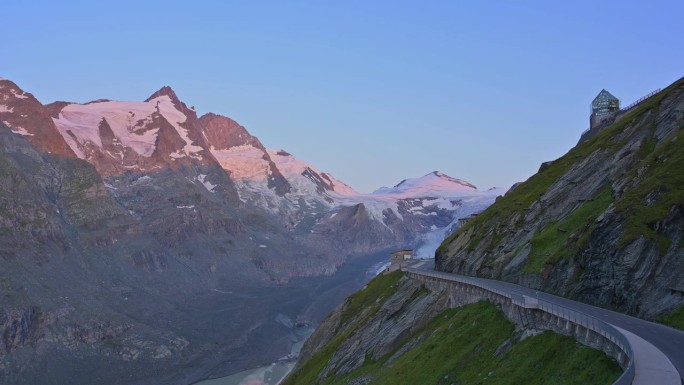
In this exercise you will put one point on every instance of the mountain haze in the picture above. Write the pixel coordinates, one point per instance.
(137, 236)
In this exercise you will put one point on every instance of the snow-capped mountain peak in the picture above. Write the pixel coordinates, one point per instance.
(130, 122)
(434, 184)
(162, 132)
(165, 91)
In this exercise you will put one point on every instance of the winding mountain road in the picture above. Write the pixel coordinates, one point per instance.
(658, 349)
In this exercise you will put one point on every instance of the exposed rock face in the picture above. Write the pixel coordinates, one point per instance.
(408, 330)
(373, 334)
(225, 134)
(161, 133)
(126, 274)
(124, 226)
(602, 224)
(57, 222)
(24, 113)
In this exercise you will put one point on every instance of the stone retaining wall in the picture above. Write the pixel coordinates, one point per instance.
(533, 315)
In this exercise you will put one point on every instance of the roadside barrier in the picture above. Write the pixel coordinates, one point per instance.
(575, 317)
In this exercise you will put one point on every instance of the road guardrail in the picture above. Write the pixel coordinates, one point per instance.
(587, 321)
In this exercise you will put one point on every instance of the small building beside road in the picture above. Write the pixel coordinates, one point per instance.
(400, 259)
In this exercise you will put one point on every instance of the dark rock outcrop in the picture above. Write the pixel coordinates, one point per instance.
(602, 224)
(224, 133)
(120, 272)
(22, 111)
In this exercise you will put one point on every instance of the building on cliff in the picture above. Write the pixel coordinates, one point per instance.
(603, 106)
(400, 259)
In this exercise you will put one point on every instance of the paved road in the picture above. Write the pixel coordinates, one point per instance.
(666, 339)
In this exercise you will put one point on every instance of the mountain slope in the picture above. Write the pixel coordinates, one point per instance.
(141, 136)
(602, 224)
(152, 277)
(396, 331)
(240, 153)
(24, 113)
(137, 237)
(124, 137)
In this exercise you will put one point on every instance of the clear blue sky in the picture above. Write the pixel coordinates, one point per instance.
(371, 91)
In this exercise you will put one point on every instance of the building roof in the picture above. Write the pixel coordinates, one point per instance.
(605, 95)
(403, 252)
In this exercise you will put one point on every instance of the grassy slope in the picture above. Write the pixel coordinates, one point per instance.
(663, 170)
(457, 350)
(674, 319)
(565, 238)
(460, 349)
(369, 299)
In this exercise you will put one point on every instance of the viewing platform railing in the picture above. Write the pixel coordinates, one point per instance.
(641, 99)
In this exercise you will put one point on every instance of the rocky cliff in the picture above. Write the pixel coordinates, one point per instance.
(159, 276)
(142, 244)
(162, 138)
(602, 224)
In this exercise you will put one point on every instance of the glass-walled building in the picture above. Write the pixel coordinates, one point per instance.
(604, 104)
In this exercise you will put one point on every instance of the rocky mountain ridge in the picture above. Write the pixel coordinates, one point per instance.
(602, 224)
(122, 138)
(139, 237)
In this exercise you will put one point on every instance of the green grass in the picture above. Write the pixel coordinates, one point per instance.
(647, 148)
(563, 239)
(308, 373)
(368, 299)
(515, 202)
(674, 319)
(372, 296)
(666, 174)
(460, 347)
(552, 359)
(663, 183)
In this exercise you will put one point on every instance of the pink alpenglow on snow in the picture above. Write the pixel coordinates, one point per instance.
(434, 184)
(294, 170)
(79, 124)
(244, 162)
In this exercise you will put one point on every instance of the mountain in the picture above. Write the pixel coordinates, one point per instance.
(128, 273)
(137, 236)
(602, 224)
(241, 154)
(142, 136)
(417, 213)
(434, 184)
(434, 203)
(24, 113)
(162, 132)
(399, 330)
